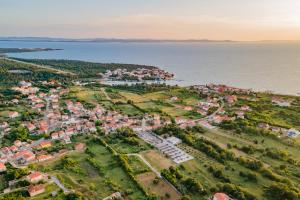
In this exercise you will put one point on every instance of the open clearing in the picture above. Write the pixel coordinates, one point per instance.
(157, 160)
(160, 189)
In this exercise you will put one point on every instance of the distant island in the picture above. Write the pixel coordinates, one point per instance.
(48, 39)
(23, 50)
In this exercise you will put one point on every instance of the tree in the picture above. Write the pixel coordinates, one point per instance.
(19, 133)
(125, 132)
(74, 196)
(280, 191)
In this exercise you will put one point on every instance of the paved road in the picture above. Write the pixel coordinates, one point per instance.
(209, 116)
(60, 185)
(214, 113)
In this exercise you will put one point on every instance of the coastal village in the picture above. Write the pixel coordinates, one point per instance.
(62, 119)
(50, 121)
(139, 74)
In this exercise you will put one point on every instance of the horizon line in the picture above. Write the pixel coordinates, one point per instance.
(136, 39)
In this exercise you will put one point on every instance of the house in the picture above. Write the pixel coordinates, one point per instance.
(25, 84)
(116, 195)
(15, 101)
(293, 133)
(219, 119)
(180, 120)
(240, 114)
(61, 134)
(17, 143)
(34, 190)
(42, 158)
(25, 155)
(67, 139)
(264, 126)
(4, 125)
(13, 148)
(281, 102)
(231, 99)
(3, 159)
(188, 108)
(276, 129)
(221, 196)
(69, 132)
(173, 99)
(55, 136)
(35, 177)
(2, 167)
(43, 126)
(45, 144)
(31, 126)
(245, 108)
(13, 114)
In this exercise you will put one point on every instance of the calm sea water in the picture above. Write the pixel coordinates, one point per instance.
(260, 66)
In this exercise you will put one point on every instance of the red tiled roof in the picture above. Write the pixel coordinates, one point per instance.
(221, 196)
(34, 175)
(35, 188)
(2, 166)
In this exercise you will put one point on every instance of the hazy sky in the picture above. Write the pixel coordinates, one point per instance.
(157, 19)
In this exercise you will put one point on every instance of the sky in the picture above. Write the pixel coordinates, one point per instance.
(243, 20)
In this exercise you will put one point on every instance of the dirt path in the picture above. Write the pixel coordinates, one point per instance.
(105, 93)
(154, 170)
(147, 163)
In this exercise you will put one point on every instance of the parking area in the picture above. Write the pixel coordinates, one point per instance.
(165, 146)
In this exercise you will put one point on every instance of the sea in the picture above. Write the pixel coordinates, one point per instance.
(261, 66)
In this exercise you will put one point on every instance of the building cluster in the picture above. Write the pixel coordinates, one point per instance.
(62, 119)
(139, 74)
(205, 106)
(37, 183)
(291, 133)
(281, 102)
(220, 89)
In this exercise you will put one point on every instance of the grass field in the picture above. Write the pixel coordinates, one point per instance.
(88, 180)
(136, 98)
(137, 165)
(198, 168)
(87, 95)
(129, 110)
(162, 189)
(157, 160)
(122, 147)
